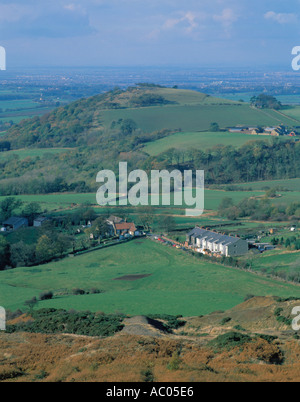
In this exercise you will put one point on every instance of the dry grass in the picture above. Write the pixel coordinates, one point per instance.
(64, 358)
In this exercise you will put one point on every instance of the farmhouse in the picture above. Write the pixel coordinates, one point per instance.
(280, 130)
(14, 223)
(210, 242)
(120, 227)
(125, 228)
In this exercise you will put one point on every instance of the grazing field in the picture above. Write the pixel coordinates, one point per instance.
(176, 283)
(65, 200)
(193, 118)
(293, 111)
(212, 199)
(288, 184)
(276, 261)
(199, 140)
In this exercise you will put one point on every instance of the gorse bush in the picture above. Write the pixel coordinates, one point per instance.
(52, 321)
(229, 341)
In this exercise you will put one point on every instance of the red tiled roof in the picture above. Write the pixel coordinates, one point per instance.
(125, 226)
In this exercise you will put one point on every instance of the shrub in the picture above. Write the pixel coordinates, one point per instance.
(225, 320)
(52, 321)
(78, 292)
(147, 375)
(175, 361)
(229, 340)
(46, 295)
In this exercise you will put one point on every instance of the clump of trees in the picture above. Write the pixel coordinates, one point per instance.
(261, 210)
(264, 101)
(53, 240)
(291, 243)
(150, 100)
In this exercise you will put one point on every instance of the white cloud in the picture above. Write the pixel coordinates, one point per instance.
(226, 18)
(188, 18)
(281, 18)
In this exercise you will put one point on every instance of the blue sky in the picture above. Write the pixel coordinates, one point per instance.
(149, 32)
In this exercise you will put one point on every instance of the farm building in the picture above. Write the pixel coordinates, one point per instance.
(210, 242)
(120, 227)
(126, 228)
(14, 223)
(114, 219)
(40, 221)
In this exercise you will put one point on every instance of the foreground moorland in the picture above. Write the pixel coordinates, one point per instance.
(250, 342)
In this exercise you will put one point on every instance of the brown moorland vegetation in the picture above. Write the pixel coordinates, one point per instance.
(223, 346)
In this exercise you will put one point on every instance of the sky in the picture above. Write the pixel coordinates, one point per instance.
(198, 33)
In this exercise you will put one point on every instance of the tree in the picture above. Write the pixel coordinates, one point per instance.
(169, 224)
(128, 126)
(8, 206)
(271, 193)
(4, 252)
(31, 211)
(22, 254)
(226, 202)
(214, 127)
(99, 228)
(31, 303)
(63, 243)
(146, 217)
(45, 249)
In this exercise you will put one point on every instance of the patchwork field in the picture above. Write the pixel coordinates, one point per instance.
(173, 282)
(201, 140)
(212, 199)
(191, 118)
(289, 184)
(276, 261)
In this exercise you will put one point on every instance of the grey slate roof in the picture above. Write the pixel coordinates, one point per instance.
(213, 237)
(14, 220)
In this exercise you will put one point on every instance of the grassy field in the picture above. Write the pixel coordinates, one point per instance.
(289, 184)
(212, 199)
(199, 140)
(276, 261)
(292, 111)
(178, 283)
(193, 118)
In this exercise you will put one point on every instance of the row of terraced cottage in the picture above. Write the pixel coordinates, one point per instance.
(214, 243)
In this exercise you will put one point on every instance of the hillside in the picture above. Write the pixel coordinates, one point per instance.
(165, 281)
(205, 349)
(151, 108)
(146, 125)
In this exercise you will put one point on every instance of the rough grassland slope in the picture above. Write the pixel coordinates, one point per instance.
(175, 357)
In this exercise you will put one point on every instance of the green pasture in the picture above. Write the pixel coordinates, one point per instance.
(277, 260)
(193, 118)
(212, 199)
(289, 184)
(199, 140)
(178, 283)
